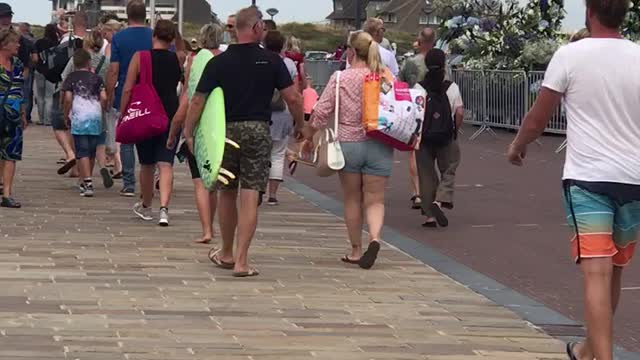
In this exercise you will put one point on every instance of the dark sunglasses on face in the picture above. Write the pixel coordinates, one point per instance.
(230, 27)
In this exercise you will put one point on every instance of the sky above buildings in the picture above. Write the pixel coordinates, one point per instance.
(39, 11)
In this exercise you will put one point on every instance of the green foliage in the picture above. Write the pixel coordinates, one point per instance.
(631, 27)
(503, 36)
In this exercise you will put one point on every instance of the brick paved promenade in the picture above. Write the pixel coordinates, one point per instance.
(83, 279)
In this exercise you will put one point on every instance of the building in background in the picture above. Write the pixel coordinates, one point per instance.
(403, 15)
(195, 11)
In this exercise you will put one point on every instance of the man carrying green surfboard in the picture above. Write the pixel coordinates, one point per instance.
(247, 75)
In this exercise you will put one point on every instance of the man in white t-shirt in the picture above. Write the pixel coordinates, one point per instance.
(375, 28)
(599, 80)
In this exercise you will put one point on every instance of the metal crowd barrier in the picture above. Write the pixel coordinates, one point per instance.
(321, 71)
(501, 99)
(492, 99)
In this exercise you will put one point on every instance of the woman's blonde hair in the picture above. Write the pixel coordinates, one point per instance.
(366, 49)
(94, 42)
(112, 26)
(294, 44)
(8, 35)
(211, 36)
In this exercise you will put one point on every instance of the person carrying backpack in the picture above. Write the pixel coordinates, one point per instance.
(439, 154)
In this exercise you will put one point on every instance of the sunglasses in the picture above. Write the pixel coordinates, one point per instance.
(230, 27)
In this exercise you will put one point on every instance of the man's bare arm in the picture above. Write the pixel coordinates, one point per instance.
(193, 114)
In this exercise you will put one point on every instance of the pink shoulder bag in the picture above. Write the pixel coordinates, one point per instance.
(145, 116)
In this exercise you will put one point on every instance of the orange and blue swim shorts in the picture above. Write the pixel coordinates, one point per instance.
(602, 226)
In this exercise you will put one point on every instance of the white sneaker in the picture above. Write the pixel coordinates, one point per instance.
(164, 217)
(142, 212)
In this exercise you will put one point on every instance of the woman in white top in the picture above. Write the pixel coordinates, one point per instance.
(437, 164)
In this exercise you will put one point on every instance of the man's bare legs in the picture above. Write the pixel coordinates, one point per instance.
(352, 194)
(244, 227)
(585, 351)
(228, 218)
(247, 224)
(206, 202)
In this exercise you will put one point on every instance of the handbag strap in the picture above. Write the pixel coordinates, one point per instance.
(146, 76)
(337, 110)
(101, 64)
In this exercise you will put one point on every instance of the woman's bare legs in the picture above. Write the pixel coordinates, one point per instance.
(146, 184)
(206, 202)
(166, 183)
(352, 190)
(373, 188)
(8, 172)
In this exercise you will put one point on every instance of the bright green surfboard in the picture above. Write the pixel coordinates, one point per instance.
(210, 134)
(210, 139)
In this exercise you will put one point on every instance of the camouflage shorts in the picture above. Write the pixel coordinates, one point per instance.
(252, 162)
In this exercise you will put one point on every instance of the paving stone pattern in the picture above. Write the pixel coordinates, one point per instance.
(84, 279)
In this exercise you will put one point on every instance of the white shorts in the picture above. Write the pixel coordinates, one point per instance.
(278, 153)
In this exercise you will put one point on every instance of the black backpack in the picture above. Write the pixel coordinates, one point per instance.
(54, 60)
(438, 129)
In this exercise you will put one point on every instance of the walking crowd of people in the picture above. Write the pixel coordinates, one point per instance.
(271, 108)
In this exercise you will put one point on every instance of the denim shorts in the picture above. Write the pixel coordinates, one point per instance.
(369, 157)
(86, 145)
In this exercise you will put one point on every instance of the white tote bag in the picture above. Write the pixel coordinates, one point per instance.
(328, 154)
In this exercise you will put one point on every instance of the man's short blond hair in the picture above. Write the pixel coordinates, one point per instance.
(372, 25)
(248, 17)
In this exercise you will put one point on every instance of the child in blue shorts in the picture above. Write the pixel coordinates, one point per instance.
(85, 101)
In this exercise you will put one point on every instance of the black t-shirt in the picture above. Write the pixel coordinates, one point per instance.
(24, 53)
(44, 44)
(166, 76)
(248, 75)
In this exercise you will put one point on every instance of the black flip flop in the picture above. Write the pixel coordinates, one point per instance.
(347, 260)
(244, 274)
(570, 353)
(10, 203)
(369, 257)
(437, 213)
(293, 165)
(66, 167)
(107, 180)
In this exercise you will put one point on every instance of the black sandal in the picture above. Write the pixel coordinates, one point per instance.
(369, 257)
(10, 203)
(437, 212)
(570, 353)
(66, 167)
(347, 260)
